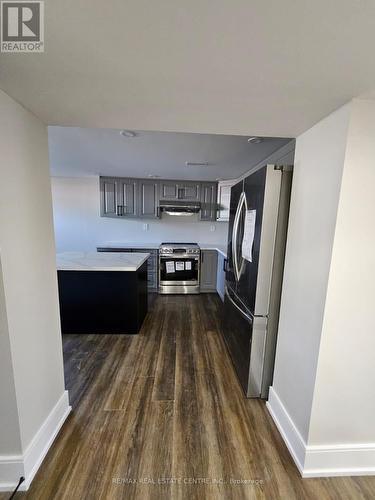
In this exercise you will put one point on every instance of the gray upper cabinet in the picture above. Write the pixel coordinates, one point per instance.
(188, 191)
(118, 197)
(208, 270)
(148, 199)
(180, 190)
(128, 198)
(208, 201)
(108, 197)
(168, 190)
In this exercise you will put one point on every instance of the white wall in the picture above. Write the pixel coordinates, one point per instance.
(322, 397)
(78, 225)
(10, 438)
(28, 270)
(317, 176)
(344, 399)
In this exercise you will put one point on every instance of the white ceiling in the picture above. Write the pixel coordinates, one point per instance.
(77, 152)
(271, 68)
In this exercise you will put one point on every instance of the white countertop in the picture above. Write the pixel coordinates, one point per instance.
(131, 244)
(103, 261)
(128, 244)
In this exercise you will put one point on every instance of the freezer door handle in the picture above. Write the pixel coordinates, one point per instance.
(246, 315)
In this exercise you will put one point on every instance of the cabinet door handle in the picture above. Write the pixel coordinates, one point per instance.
(225, 265)
(118, 210)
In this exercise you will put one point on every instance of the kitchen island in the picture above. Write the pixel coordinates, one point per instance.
(102, 293)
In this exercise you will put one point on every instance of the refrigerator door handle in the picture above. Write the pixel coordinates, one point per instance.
(234, 234)
(238, 269)
(242, 266)
(234, 237)
(244, 314)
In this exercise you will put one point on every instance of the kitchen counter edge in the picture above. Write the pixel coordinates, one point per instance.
(81, 261)
(154, 246)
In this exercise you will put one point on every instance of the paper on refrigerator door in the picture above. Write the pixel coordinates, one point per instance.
(248, 235)
(188, 265)
(180, 265)
(169, 266)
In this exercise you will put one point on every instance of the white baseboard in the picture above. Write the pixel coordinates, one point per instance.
(321, 460)
(289, 432)
(27, 464)
(340, 460)
(11, 468)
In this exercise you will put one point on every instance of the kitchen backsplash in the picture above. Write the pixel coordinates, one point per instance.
(78, 225)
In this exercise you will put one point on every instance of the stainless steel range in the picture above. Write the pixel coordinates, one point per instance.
(179, 268)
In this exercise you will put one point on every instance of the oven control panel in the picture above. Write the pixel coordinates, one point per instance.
(179, 251)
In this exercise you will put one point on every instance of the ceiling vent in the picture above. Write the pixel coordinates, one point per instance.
(196, 163)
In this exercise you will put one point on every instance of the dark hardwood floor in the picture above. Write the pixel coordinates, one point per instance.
(160, 415)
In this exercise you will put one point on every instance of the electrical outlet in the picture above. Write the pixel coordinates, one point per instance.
(212, 228)
(145, 227)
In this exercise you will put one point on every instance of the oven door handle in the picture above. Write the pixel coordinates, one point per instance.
(181, 257)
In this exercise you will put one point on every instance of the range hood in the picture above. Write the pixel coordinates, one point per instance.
(179, 207)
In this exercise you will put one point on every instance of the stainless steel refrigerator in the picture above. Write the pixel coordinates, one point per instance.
(259, 206)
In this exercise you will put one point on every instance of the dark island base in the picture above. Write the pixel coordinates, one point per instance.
(100, 302)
